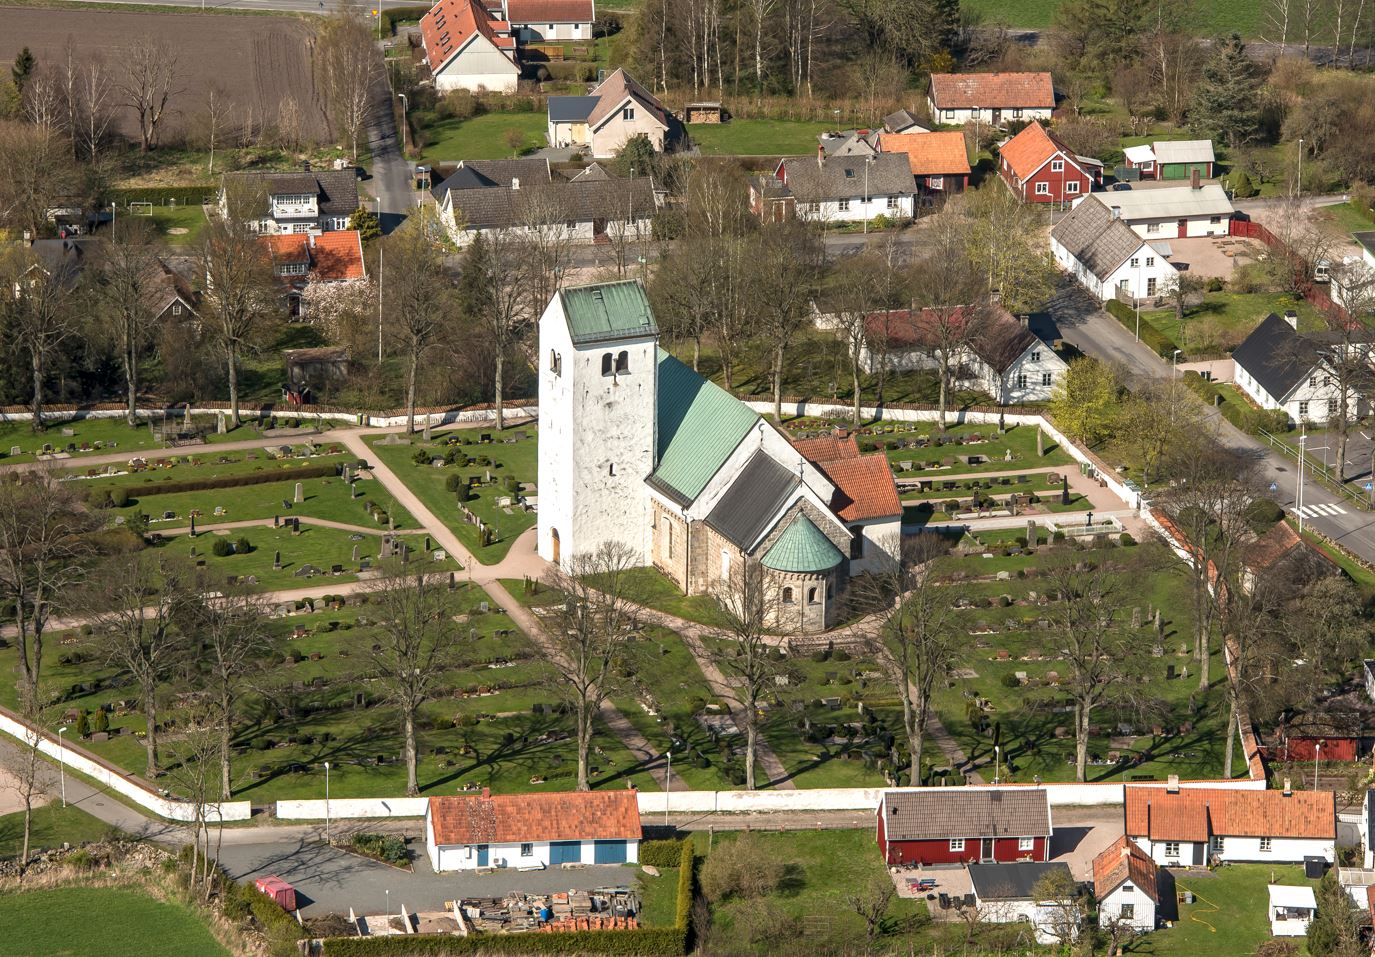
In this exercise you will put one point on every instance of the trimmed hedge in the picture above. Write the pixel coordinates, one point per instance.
(1243, 416)
(661, 853)
(687, 890)
(162, 195)
(1156, 340)
(396, 14)
(236, 481)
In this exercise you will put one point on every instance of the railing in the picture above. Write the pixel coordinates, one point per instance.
(1318, 472)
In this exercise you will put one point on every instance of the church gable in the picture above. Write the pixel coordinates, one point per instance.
(756, 495)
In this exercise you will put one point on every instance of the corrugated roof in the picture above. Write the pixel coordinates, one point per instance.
(1192, 814)
(1172, 202)
(551, 816)
(802, 548)
(755, 496)
(1184, 151)
(1092, 236)
(608, 311)
(1011, 882)
(1276, 356)
(966, 91)
(1140, 154)
(700, 425)
(937, 815)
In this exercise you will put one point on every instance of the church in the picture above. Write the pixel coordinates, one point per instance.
(637, 448)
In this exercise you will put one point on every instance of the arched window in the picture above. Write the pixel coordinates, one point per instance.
(606, 363)
(811, 596)
(555, 363)
(787, 596)
(622, 363)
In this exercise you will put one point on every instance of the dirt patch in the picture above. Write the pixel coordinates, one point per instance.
(10, 800)
(262, 65)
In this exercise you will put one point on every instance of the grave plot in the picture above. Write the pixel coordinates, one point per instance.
(81, 438)
(1038, 493)
(479, 483)
(928, 452)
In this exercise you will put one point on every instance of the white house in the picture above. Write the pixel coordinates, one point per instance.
(1291, 909)
(467, 49)
(540, 21)
(466, 832)
(995, 98)
(1008, 894)
(637, 449)
(1193, 826)
(1353, 279)
(310, 202)
(1106, 256)
(1004, 358)
(842, 188)
(1173, 212)
(603, 121)
(1368, 803)
(1278, 367)
(1126, 883)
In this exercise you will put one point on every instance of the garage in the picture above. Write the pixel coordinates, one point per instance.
(609, 852)
(565, 852)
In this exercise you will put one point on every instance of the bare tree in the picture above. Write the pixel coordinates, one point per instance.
(417, 648)
(239, 292)
(23, 763)
(586, 631)
(129, 277)
(492, 295)
(150, 82)
(1061, 907)
(97, 90)
(349, 67)
(419, 299)
(546, 241)
(218, 108)
(747, 603)
(859, 306)
(789, 260)
(870, 901)
(42, 316)
(193, 753)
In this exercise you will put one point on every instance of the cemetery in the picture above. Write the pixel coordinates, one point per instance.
(74, 439)
(923, 449)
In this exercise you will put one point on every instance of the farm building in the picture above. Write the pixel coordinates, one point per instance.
(1279, 367)
(839, 188)
(540, 21)
(1291, 909)
(1106, 256)
(467, 49)
(963, 826)
(939, 161)
(1039, 168)
(1192, 826)
(1172, 159)
(470, 831)
(605, 119)
(994, 98)
(1127, 886)
(1175, 212)
(1009, 894)
(310, 201)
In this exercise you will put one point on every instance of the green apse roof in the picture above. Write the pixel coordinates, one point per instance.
(608, 311)
(802, 548)
(700, 424)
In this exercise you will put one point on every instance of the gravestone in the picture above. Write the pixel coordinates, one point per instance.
(355, 554)
(427, 428)
(300, 493)
(220, 424)
(1031, 537)
(440, 555)
(1007, 456)
(193, 526)
(295, 526)
(427, 543)
(405, 554)
(219, 511)
(276, 521)
(1064, 490)
(277, 561)
(1136, 617)
(1040, 443)
(16, 450)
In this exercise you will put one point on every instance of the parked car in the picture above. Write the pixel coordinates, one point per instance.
(1121, 186)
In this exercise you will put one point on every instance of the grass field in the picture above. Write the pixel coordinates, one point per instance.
(1218, 17)
(52, 826)
(100, 922)
(177, 225)
(112, 434)
(1224, 319)
(1228, 916)
(758, 137)
(483, 137)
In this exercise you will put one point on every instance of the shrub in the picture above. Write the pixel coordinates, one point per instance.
(421, 457)
(742, 868)
(83, 724)
(242, 546)
(1011, 681)
(1242, 187)
(452, 482)
(1150, 335)
(222, 548)
(236, 481)
(1059, 536)
(100, 723)
(384, 847)
(1126, 540)
(661, 853)
(119, 497)
(1263, 514)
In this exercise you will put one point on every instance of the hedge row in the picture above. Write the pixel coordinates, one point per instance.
(687, 890)
(1158, 342)
(661, 853)
(319, 470)
(162, 195)
(396, 14)
(1245, 417)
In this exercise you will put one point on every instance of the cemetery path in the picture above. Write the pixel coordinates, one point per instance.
(122, 458)
(305, 520)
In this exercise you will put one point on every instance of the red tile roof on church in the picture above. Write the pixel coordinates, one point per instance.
(864, 488)
(827, 448)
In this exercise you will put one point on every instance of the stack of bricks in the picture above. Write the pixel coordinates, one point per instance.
(590, 923)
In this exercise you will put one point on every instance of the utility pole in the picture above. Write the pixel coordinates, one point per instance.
(1298, 496)
(379, 304)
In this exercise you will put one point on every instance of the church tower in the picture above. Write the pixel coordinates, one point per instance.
(598, 372)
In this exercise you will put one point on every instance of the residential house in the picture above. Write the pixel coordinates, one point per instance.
(994, 98)
(1291, 909)
(1106, 256)
(1003, 358)
(1014, 893)
(927, 826)
(1353, 279)
(1283, 563)
(466, 832)
(1128, 887)
(311, 201)
(939, 161)
(594, 206)
(1174, 212)
(838, 188)
(170, 296)
(1172, 159)
(299, 260)
(849, 143)
(865, 499)
(61, 259)
(905, 121)
(1040, 168)
(1278, 367)
(637, 449)
(601, 122)
(1192, 826)
(526, 171)
(466, 48)
(540, 21)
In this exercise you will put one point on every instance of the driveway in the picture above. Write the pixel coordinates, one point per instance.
(1209, 257)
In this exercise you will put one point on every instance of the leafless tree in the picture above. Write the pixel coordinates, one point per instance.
(585, 633)
(349, 66)
(42, 102)
(747, 604)
(22, 764)
(240, 291)
(789, 261)
(546, 242)
(128, 280)
(420, 300)
(861, 294)
(493, 296)
(41, 316)
(218, 108)
(193, 753)
(150, 81)
(1061, 907)
(97, 89)
(870, 901)
(950, 309)
(417, 648)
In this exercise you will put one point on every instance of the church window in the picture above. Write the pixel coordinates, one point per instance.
(811, 596)
(612, 469)
(668, 537)
(725, 564)
(606, 363)
(857, 543)
(622, 363)
(787, 596)
(555, 363)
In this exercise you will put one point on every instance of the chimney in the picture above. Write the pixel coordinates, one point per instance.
(1024, 320)
(1292, 317)
(820, 155)
(305, 166)
(1195, 179)
(1126, 848)
(1172, 784)
(515, 182)
(1288, 788)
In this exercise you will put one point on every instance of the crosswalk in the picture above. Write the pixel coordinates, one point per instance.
(1317, 511)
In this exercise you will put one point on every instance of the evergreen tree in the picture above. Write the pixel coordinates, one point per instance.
(22, 70)
(1334, 930)
(474, 293)
(1226, 105)
(365, 221)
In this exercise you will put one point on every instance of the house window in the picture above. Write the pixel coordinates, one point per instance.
(1150, 286)
(1136, 262)
(1326, 381)
(1127, 912)
(949, 114)
(892, 202)
(555, 363)
(628, 113)
(1046, 378)
(1150, 261)
(1127, 888)
(611, 469)
(843, 205)
(1021, 380)
(1303, 410)
(957, 844)
(787, 596)
(1312, 382)
(551, 28)
(669, 538)
(1152, 228)
(811, 596)
(857, 543)
(1072, 186)
(1219, 844)
(1042, 189)
(1171, 848)
(1265, 845)
(1215, 221)
(849, 174)
(622, 363)
(935, 182)
(300, 227)
(1331, 407)
(725, 564)
(1035, 355)
(176, 308)
(606, 363)
(1017, 113)
(1026, 843)
(1057, 166)
(527, 850)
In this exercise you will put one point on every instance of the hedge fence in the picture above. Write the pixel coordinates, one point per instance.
(1158, 342)
(1243, 416)
(642, 942)
(165, 195)
(320, 470)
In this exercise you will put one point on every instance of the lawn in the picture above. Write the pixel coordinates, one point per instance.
(100, 922)
(52, 826)
(1228, 916)
(177, 225)
(1348, 217)
(659, 898)
(511, 453)
(1224, 319)
(1217, 18)
(758, 137)
(483, 137)
(103, 436)
(958, 451)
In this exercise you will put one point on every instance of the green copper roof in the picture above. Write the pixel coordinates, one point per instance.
(608, 311)
(802, 548)
(700, 424)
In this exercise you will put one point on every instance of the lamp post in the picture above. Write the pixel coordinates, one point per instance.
(62, 764)
(1317, 751)
(405, 108)
(389, 910)
(1174, 363)
(1300, 165)
(327, 821)
(668, 783)
(1298, 494)
(997, 763)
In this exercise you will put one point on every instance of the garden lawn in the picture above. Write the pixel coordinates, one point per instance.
(177, 225)
(1348, 218)
(1224, 319)
(659, 898)
(510, 456)
(1216, 18)
(52, 826)
(758, 137)
(651, 587)
(483, 137)
(100, 922)
(1228, 916)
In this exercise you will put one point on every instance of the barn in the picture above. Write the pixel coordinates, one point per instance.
(925, 826)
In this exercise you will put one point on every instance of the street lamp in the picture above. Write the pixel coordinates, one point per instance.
(1317, 750)
(1174, 363)
(668, 783)
(405, 107)
(62, 764)
(997, 763)
(1298, 494)
(327, 822)
(388, 910)
(1300, 165)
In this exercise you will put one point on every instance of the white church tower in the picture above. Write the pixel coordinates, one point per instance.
(598, 372)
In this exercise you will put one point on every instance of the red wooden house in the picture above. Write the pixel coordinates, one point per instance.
(1040, 168)
(963, 826)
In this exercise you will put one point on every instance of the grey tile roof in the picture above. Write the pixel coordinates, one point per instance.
(763, 487)
(583, 201)
(931, 815)
(336, 190)
(1276, 356)
(571, 109)
(1366, 239)
(902, 121)
(479, 174)
(1010, 882)
(1002, 340)
(843, 177)
(1093, 237)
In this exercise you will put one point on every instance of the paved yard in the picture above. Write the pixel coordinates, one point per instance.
(1208, 257)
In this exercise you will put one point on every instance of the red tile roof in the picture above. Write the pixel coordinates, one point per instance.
(551, 11)
(864, 488)
(1193, 814)
(1029, 150)
(965, 91)
(556, 816)
(334, 256)
(1123, 861)
(931, 154)
(827, 448)
(452, 23)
